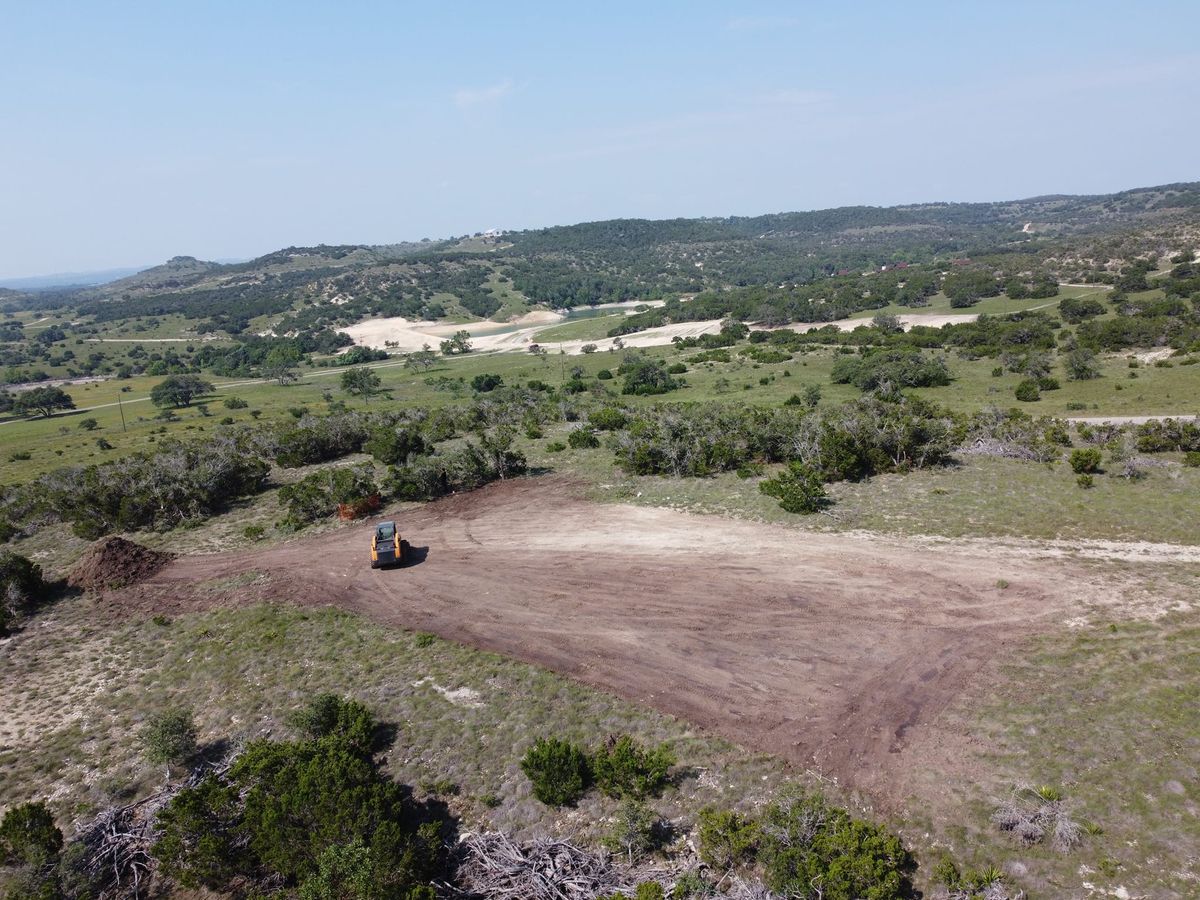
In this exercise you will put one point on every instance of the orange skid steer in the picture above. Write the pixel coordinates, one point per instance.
(387, 549)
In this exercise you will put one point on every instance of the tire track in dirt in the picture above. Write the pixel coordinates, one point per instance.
(829, 650)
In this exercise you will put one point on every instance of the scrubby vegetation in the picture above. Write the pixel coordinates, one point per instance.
(811, 421)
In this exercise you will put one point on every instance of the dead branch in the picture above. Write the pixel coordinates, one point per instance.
(495, 867)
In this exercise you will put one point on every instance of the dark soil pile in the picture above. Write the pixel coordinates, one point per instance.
(115, 562)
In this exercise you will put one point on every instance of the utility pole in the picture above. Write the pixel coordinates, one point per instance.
(121, 407)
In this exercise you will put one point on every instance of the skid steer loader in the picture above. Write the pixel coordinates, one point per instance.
(387, 549)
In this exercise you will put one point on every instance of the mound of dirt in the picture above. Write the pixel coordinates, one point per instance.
(115, 562)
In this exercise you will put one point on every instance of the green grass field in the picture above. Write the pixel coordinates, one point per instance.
(1146, 390)
(939, 304)
(595, 328)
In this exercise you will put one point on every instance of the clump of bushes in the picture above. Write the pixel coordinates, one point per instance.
(344, 490)
(328, 714)
(559, 771)
(645, 376)
(1165, 435)
(608, 418)
(1085, 461)
(470, 467)
(624, 768)
(29, 837)
(727, 840)
(894, 367)
(1028, 391)
(798, 489)
(317, 813)
(583, 439)
(801, 841)
(395, 444)
(486, 382)
(21, 587)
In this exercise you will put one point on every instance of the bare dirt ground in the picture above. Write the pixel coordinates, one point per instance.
(407, 335)
(834, 651)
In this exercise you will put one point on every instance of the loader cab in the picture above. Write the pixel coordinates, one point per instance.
(387, 548)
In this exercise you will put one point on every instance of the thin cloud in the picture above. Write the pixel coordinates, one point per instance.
(762, 23)
(464, 98)
(793, 97)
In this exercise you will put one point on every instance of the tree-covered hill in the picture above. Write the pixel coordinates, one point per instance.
(301, 288)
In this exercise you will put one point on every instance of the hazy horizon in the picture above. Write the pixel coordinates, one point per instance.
(230, 131)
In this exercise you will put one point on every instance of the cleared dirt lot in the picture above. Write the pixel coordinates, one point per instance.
(834, 651)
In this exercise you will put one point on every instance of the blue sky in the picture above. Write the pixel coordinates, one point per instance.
(131, 132)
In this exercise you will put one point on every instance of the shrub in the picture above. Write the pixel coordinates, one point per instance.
(28, 836)
(234, 403)
(608, 418)
(21, 587)
(323, 493)
(806, 842)
(1046, 383)
(555, 447)
(635, 831)
(582, 439)
(1081, 365)
(896, 368)
(254, 532)
(21, 582)
(170, 736)
(1192, 459)
(327, 714)
(1085, 481)
(727, 840)
(558, 770)
(199, 837)
(393, 445)
(486, 382)
(1086, 461)
(1027, 391)
(624, 768)
(604, 375)
(691, 884)
(646, 376)
(89, 424)
(468, 468)
(279, 810)
(798, 489)
(676, 368)
(345, 872)
(649, 890)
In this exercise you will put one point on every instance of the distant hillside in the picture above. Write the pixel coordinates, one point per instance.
(300, 288)
(66, 279)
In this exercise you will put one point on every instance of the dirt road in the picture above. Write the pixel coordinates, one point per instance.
(831, 650)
